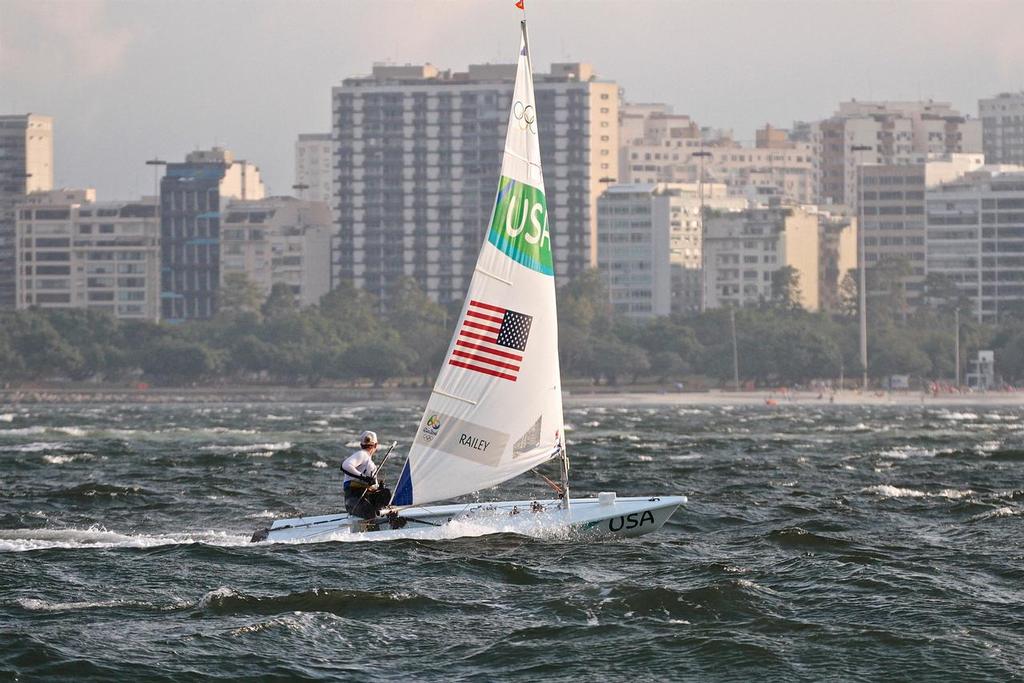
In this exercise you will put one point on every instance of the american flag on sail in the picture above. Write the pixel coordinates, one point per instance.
(491, 340)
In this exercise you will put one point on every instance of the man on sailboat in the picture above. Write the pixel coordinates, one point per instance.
(365, 494)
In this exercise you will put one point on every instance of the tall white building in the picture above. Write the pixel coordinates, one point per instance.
(75, 252)
(649, 244)
(279, 240)
(314, 175)
(26, 165)
(656, 145)
(418, 152)
(892, 133)
(892, 212)
(745, 251)
(1002, 124)
(975, 236)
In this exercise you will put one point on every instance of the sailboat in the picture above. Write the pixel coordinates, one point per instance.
(495, 411)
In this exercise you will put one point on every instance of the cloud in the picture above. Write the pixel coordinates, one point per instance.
(53, 40)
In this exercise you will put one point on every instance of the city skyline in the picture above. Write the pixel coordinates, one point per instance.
(201, 78)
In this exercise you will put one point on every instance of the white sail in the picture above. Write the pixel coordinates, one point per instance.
(496, 408)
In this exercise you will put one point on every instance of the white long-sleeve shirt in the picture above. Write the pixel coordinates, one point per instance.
(359, 462)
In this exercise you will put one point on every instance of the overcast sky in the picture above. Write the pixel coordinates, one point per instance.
(126, 80)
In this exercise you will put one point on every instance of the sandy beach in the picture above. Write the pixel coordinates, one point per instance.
(572, 396)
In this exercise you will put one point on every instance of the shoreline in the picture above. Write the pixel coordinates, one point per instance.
(571, 396)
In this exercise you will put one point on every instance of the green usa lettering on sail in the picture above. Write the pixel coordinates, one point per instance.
(519, 225)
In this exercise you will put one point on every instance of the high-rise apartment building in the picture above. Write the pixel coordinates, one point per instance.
(745, 251)
(314, 172)
(891, 133)
(892, 214)
(192, 196)
(26, 165)
(649, 244)
(656, 145)
(75, 252)
(279, 240)
(1002, 128)
(418, 151)
(975, 229)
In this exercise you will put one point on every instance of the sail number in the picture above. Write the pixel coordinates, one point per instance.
(630, 521)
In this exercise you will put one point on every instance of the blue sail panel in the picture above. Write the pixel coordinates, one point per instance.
(403, 490)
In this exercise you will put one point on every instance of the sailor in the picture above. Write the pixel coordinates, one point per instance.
(365, 493)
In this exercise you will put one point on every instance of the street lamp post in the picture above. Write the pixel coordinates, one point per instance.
(735, 350)
(862, 260)
(300, 188)
(956, 345)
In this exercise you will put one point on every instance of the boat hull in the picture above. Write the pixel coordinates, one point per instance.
(592, 517)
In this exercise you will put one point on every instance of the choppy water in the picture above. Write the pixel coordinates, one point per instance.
(872, 543)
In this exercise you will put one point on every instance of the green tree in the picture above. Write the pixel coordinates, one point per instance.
(613, 359)
(238, 294)
(377, 360)
(279, 302)
(785, 290)
(420, 325)
(177, 360)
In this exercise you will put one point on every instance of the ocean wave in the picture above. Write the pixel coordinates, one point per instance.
(255, 449)
(228, 601)
(905, 452)
(36, 447)
(950, 415)
(997, 513)
(64, 459)
(802, 538)
(101, 490)
(887, 491)
(38, 605)
(22, 540)
(300, 622)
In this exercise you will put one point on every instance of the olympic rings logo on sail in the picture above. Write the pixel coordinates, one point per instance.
(526, 115)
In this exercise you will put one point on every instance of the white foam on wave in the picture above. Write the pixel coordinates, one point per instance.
(23, 431)
(63, 459)
(72, 431)
(217, 594)
(480, 524)
(36, 447)
(320, 464)
(997, 513)
(957, 416)
(255, 449)
(37, 605)
(905, 452)
(270, 514)
(6, 417)
(299, 622)
(22, 540)
(887, 491)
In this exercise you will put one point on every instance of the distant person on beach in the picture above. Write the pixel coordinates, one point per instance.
(365, 493)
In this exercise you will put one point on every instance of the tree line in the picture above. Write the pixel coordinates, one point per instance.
(351, 336)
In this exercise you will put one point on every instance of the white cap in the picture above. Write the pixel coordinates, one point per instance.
(368, 438)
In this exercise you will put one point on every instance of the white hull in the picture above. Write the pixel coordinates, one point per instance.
(589, 516)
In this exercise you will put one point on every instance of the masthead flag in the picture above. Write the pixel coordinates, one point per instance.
(521, 5)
